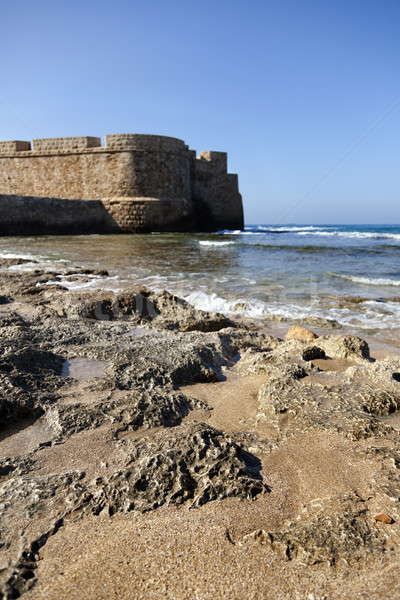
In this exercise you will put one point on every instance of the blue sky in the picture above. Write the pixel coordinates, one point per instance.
(285, 87)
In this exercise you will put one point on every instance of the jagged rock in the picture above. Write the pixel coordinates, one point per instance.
(158, 408)
(347, 347)
(239, 339)
(326, 539)
(138, 304)
(196, 463)
(73, 418)
(28, 377)
(31, 506)
(178, 313)
(171, 357)
(337, 405)
(312, 353)
(134, 410)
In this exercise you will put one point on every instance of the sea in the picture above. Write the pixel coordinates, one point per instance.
(345, 273)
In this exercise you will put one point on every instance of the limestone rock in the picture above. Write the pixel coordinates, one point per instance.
(195, 463)
(139, 305)
(347, 347)
(178, 313)
(170, 357)
(326, 539)
(144, 409)
(300, 333)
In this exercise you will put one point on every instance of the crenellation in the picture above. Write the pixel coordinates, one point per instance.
(65, 144)
(216, 159)
(151, 143)
(144, 182)
(10, 147)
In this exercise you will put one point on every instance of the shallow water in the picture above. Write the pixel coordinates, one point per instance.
(290, 271)
(83, 369)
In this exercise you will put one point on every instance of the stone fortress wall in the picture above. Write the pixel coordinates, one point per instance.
(134, 183)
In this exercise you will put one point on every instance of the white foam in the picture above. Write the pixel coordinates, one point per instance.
(288, 228)
(95, 282)
(369, 314)
(18, 255)
(214, 303)
(26, 267)
(215, 243)
(354, 234)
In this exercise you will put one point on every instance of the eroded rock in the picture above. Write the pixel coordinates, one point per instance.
(195, 463)
(326, 539)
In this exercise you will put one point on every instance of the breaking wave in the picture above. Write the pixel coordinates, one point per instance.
(368, 280)
(215, 243)
(370, 314)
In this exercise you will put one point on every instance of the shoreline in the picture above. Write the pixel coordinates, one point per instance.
(185, 455)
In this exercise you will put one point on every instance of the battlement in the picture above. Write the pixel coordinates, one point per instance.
(14, 146)
(218, 159)
(65, 143)
(138, 141)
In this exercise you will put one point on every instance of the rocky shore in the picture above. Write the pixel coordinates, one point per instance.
(152, 450)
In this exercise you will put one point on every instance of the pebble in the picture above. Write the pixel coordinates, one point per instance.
(381, 516)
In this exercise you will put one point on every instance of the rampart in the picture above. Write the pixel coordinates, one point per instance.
(134, 183)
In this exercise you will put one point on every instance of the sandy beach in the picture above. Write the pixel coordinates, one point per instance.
(152, 450)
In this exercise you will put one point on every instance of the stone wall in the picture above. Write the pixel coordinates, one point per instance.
(146, 182)
(143, 215)
(29, 215)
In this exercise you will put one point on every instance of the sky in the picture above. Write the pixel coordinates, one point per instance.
(285, 87)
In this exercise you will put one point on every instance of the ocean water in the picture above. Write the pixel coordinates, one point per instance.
(265, 271)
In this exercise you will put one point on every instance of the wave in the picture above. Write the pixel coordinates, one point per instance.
(88, 282)
(214, 243)
(354, 234)
(284, 229)
(311, 249)
(17, 255)
(370, 314)
(214, 303)
(260, 229)
(314, 230)
(368, 280)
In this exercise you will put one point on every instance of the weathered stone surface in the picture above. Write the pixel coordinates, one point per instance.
(346, 346)
(139, 305)
(32, 508)
(179, 313)
(326, 539)
(198, 463)
(347, 402)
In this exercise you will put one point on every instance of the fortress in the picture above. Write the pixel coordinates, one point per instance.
(134, 183)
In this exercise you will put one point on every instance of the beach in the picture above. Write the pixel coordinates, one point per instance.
(151, 448)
